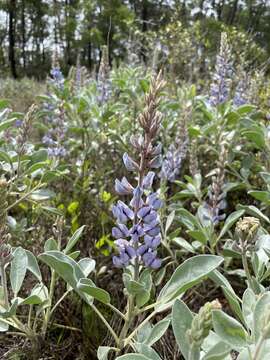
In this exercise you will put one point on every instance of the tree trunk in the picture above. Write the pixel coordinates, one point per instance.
(23, 34)
(144, 17)
(11, 33)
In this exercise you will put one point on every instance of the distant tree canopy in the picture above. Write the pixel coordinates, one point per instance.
(30, 30)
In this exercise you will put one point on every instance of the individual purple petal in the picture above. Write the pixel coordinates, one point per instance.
(122, 212)
(156, 162)
(155, 242)
(129, 163)
(136, 202)
(157, 150)
(152, 229)
(130, 251)
(150, 217)
(148, 180)
(144, 211)
(149, 257)
(154, 201)
(120, 232)
(117, 261)
(136, 232)
(156, 264)
(142, 249)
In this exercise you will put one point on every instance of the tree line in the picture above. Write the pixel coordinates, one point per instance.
(30, 30)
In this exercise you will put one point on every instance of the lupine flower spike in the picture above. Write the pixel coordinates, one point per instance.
(193, 158)
(171, 165)
(241, 91)
(216, 196)
(103, 83)
(221, 81)
(57, 78)
(137, 231)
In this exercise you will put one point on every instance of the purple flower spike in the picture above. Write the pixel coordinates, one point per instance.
(137, 229)
(129, 163)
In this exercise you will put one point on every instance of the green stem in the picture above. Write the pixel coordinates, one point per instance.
(194, 353)
(105, 323)
(116, 311)
(246, 268)
(129, 338)
(60, 300)
(48, 310)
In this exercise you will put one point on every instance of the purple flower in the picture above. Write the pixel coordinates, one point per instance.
(121, 231)
(137, 201)
(123, 187)
(122, 212)
(154, 201)
(156, 162)
(126, 253)
(148, 180)
(130, 164)
(136, 232)
(150, 259)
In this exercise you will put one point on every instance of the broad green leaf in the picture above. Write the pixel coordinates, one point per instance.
(229, 329)
(234, 302)
(18, 269)
(6, 124)
(220, 280)
(157, 331)
(87, 265)
(103, 352)
(42, 195)
(3, 326)
(253, 211)
(261, 310)
(50, 244)
(169, 221)
(74, 239)
(263, 196)
(5, 157)
(181, 322)
(147, 351)
(189, 273)
(218, 352)
(133, 357)
(231, 219)
(182, 243)
(248, 306)
(32, 265)
(87, 286)
(67, 268)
